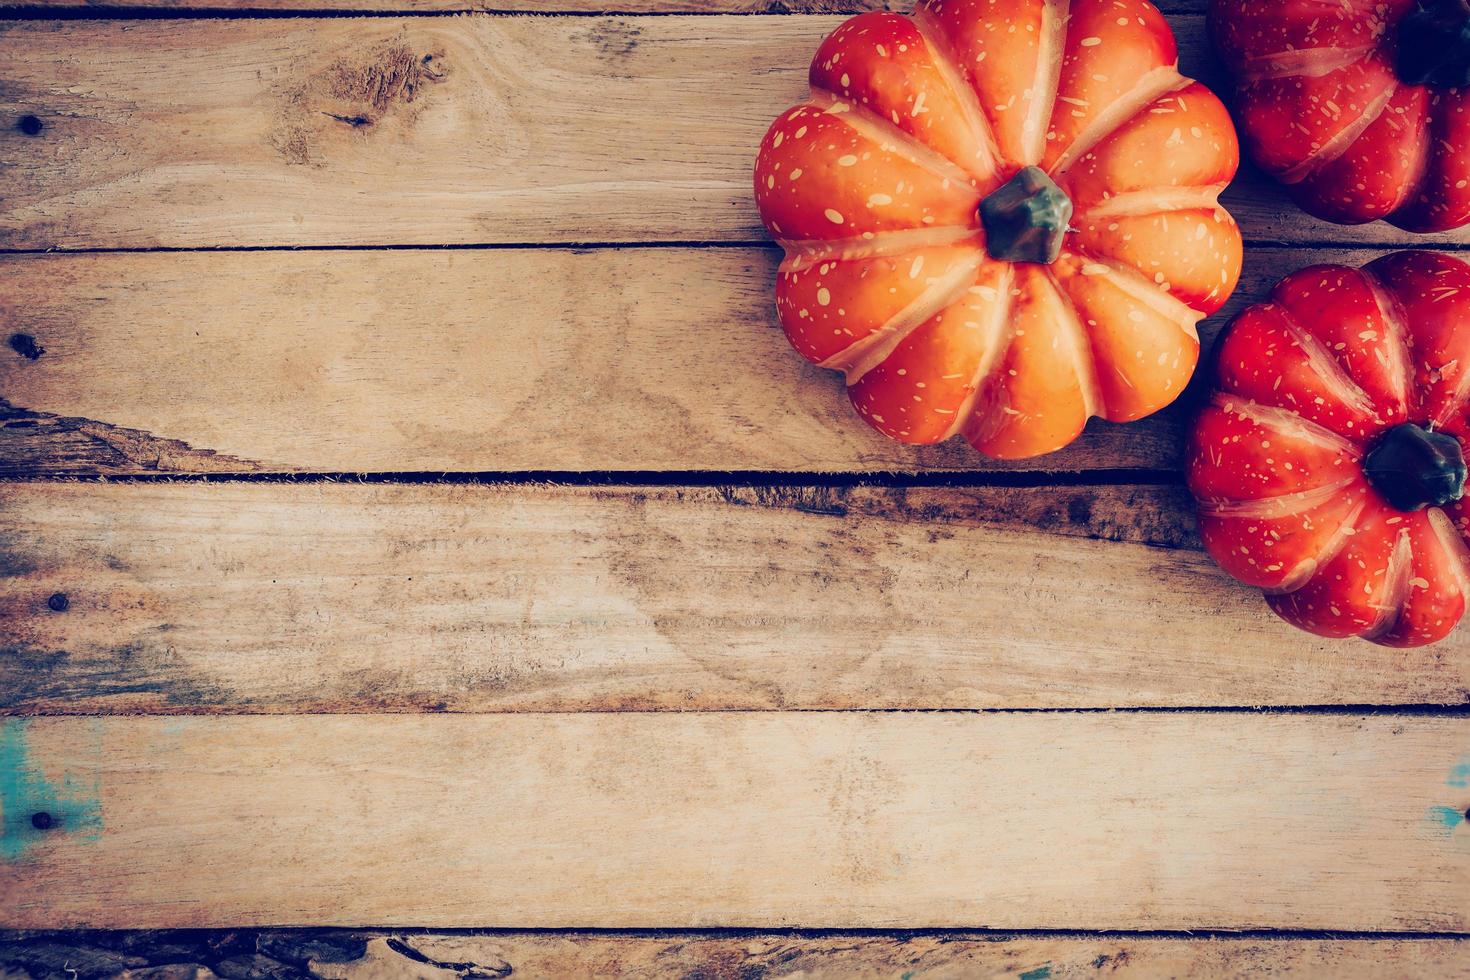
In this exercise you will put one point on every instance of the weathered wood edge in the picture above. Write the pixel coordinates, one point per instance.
(317, 954)
(322, 598)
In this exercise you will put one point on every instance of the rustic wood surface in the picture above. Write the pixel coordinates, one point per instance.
(426, 360)
(429, 130)
(525, 6)
(325, 597)
(678, 629)
(818, 819)
(377, 955)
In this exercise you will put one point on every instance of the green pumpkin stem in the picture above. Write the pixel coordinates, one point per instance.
(1414, 467)
(1433, 42)
(1025, 219)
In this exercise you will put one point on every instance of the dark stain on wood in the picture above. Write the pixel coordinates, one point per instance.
(134, 676)
(1158, 516)
(33, 443)
(613, 38)
(329, 954)
(25, 345)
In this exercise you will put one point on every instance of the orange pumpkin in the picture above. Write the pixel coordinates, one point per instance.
(1000, 218)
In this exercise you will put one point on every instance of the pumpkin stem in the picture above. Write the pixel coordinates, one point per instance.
(1025, 219)
(1413, 467)
(1434, 44)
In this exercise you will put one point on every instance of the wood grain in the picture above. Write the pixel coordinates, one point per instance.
(352, 598)
(1097, 821)
(539, 6)
(428, 360)
(439, 130)
(337, 955)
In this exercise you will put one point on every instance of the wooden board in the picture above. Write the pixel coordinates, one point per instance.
(279, 597)
(705, 956)
(426, 360)
(1095, 821)
(433, 130)
(194, 7)
(523, 704)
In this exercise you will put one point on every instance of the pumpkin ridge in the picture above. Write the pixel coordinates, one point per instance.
(869, 124)
(1303, 62)
(1395, 588)
(803, 253)
(1340, 143)
(1084, 357)
(1156, 200)
(1131, 280)
(1001, 336)
(1050, 52)
(1456, 401)
(866, 353)
(1307, 568)
(964, 90)
(1279, 505)
(1326, 367)
(1453, 544)
(1422, 163)
(1390, 310)
(1287, 422)
(1159, 82)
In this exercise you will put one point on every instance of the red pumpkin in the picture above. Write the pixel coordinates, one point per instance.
(1360, 107)
(1000, 218)
(1329, 464)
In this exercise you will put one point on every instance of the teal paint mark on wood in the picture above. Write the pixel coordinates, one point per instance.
(33, 807)
(1444, 818)
(1460, 774)
(1040, 973)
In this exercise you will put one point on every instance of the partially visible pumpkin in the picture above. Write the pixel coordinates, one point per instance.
(1329, 467)
(1000, 218)
(1360, 107)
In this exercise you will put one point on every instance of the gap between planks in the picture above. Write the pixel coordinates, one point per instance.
(548, 129)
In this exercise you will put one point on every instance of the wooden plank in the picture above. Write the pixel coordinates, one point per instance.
(374, 955)
(829, 819)
(544, 7)
(337, 131)
(499, 360)
(350, 598)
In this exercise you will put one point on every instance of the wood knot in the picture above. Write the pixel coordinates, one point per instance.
(25, 345)
(356, 92)
(30, 125)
